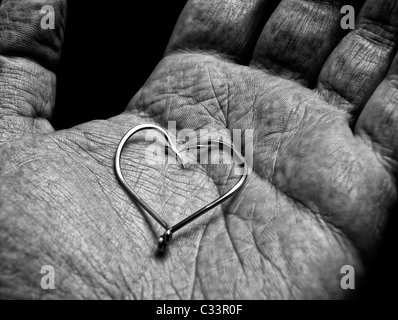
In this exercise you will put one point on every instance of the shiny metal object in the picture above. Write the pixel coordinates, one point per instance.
(166, 238)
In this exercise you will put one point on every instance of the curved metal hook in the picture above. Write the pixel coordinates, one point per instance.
(119, 173)
(166, 238)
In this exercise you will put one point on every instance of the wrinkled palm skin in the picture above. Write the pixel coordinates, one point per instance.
(318, 196)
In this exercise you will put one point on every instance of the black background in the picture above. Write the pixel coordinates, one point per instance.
(109, 52)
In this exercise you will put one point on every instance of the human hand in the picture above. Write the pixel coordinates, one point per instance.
(324, 169)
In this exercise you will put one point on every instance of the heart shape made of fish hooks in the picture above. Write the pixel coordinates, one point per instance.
(166, 238)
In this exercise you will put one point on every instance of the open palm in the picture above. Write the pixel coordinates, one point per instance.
(323, 180)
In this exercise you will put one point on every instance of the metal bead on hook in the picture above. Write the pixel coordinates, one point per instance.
(164, 240)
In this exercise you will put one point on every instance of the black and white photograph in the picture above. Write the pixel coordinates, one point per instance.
(210, 151)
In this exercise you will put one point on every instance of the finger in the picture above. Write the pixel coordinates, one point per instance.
(225, 27)
(361, 61)
(299, 37)
(29, 53)
(378, 121)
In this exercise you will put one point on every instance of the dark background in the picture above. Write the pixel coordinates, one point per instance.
(109, 52)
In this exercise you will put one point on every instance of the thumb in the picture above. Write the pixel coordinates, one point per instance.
(31, 35)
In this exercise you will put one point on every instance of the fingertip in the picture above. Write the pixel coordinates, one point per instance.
(33, 29)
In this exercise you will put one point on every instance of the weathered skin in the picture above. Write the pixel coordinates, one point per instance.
(323, 180)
